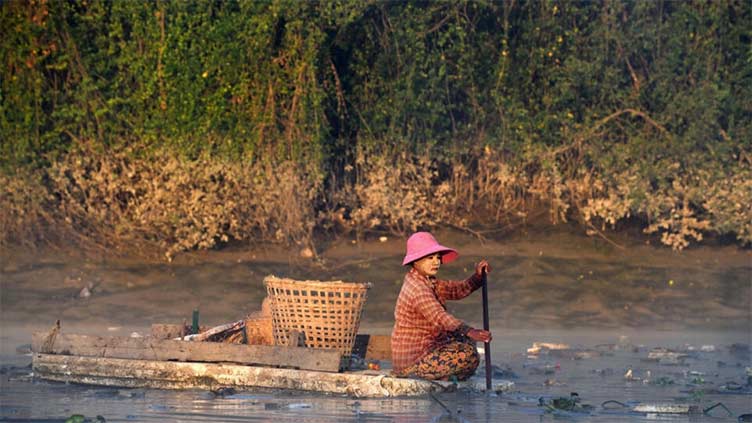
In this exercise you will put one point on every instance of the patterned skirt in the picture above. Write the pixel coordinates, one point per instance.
(458, 358)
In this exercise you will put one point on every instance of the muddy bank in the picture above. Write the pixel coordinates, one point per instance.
(540, 281)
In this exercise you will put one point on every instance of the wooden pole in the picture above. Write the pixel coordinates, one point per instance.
(487, 345)
(194, 327)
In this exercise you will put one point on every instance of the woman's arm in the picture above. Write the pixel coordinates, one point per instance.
(457, 290)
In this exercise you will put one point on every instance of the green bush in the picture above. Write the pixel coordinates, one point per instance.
(597, 111)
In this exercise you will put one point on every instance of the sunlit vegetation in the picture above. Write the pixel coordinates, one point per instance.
(179, 125)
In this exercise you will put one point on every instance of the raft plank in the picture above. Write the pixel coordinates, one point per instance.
(182, 375)
(324, 360)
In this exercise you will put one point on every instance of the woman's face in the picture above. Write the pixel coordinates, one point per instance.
(428, 265)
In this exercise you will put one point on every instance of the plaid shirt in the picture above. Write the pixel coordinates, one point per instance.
(421, 322)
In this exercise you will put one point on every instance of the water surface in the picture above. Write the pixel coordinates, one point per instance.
(552, 288)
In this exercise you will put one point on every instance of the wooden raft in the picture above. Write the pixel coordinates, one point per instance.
(191, 375)
(171, 364)
(169, 350)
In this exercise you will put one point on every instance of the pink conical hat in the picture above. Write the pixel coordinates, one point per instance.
(421, 244)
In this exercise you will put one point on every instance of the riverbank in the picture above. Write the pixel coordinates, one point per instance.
(551, 280)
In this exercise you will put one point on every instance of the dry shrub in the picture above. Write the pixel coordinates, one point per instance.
(110, 199)
(626, 193)
(676, 217)
(694, 203)
(549, 186)
(280, 204)
(608, 200)
(728, 202)
(24, 218)
(114, 199)
(400, 193)
(185, 205)
(487, 187)
(93, 192)
(393, 191)
(196, 204)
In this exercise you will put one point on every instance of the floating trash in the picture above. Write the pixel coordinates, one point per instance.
(553, 382)
(667, 409)
(662, 381)
(678, 409)
(585, 354)
(658, 354)
(223, 391)
(569, 404)
(80, 418)
(85, 292)
(479, 384)
(630, 376)
(543, 347)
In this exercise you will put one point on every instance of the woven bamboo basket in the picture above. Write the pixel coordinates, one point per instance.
(327, 313)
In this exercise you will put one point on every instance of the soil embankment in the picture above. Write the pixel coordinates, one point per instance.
(556, 280)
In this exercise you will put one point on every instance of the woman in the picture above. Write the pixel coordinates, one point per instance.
(427, 341)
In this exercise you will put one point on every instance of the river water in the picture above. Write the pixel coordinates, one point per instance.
(618, 303)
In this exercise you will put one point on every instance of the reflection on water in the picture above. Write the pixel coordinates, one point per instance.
(630, 302)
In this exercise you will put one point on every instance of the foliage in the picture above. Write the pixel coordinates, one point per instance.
(392, 115)
(127, 204)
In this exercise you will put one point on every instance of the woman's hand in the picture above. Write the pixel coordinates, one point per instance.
(481, 266)
(479, 335)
